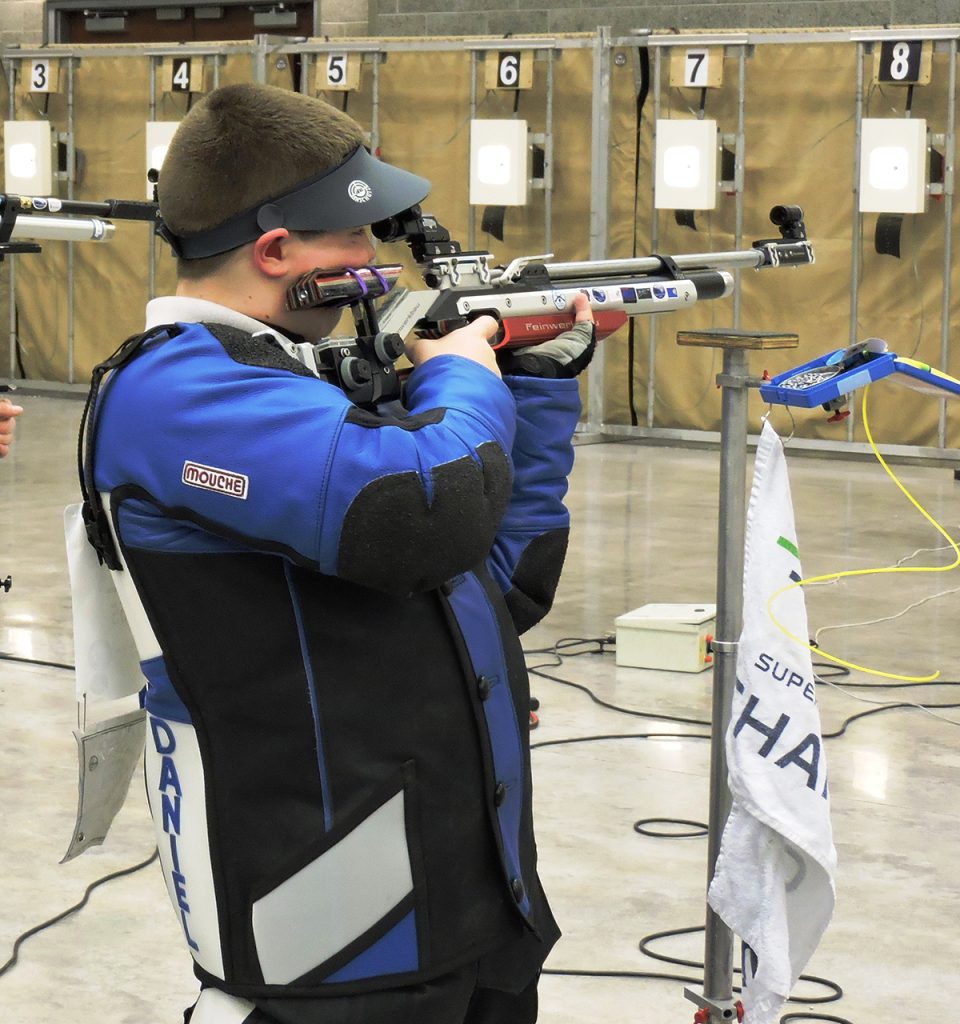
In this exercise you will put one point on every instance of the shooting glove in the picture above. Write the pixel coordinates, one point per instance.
(565, 356)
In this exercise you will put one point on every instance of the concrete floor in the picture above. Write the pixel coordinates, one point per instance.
(644, 531)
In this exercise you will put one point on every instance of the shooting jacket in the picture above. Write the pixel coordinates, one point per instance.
(337, 752)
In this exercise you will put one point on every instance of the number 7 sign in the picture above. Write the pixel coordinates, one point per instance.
(697, 67)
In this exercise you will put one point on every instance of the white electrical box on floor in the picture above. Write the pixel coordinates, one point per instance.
(674, 637)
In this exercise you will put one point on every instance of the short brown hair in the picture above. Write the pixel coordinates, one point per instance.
(240, 146)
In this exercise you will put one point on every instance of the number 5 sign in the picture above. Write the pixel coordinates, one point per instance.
(338, 72)
(509, 69)
(697, 68)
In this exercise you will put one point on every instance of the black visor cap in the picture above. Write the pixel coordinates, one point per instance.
(362, 190)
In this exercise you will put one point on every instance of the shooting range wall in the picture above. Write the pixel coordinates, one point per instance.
(794, 95)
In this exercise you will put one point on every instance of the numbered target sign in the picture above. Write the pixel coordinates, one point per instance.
(509, 69)
(339, 72)
(44, 75)
(183, 74)
(697, 68)
(903, 62)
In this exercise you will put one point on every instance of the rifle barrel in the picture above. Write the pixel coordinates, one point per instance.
(64, 229)
(648, 264)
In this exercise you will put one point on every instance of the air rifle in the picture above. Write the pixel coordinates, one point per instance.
(531, 299)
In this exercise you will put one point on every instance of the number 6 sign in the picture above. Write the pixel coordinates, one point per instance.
(509, 69)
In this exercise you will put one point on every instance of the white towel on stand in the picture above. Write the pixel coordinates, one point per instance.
(773, 884)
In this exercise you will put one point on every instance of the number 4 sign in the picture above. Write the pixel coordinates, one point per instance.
(183, 74)
(697, 68)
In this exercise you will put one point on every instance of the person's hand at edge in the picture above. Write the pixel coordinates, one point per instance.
(8, 423)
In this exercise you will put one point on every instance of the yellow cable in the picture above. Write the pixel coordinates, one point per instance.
(871, 572)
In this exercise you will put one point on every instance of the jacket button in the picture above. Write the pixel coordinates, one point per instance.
(516, 887)
(484, 686)
(499, 794)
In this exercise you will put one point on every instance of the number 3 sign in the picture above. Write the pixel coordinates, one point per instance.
(44, 75)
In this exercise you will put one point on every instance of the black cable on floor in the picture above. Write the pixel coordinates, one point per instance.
(602, 644)
(22, 938)
(34, 661)
(642, 827)
(835, 991)
(620, 736)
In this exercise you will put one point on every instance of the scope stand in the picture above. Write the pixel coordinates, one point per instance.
(716, 1002)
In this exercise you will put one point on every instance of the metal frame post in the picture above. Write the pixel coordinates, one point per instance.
(717, 995)
(738, 173)
(600, 200)
(856, 247)
(471, 212)
(12, 260)
(151, 237)
(654, 243)
(718, 939)
(548, 159)
(71, 254)
(949, 157)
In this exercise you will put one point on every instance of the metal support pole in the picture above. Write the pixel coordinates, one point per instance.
(12, 260)
(261, 48)
(548, 160)
(306, 67)
(471, 213)
(949, 157)
(600, 201)
(654, 245)
(71, 255)
(717, 995)
(376, 58)
(857, 241)
(718, 939)
(151, 237)
(738, 175)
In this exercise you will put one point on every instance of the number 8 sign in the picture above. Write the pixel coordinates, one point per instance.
(903, 62)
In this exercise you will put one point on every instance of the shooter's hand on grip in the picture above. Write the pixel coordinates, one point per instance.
(470, 342)
(566, 356)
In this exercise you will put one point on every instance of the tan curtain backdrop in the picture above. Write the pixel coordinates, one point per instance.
(799, 148)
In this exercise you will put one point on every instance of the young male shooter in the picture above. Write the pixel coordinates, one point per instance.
(337, 754)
